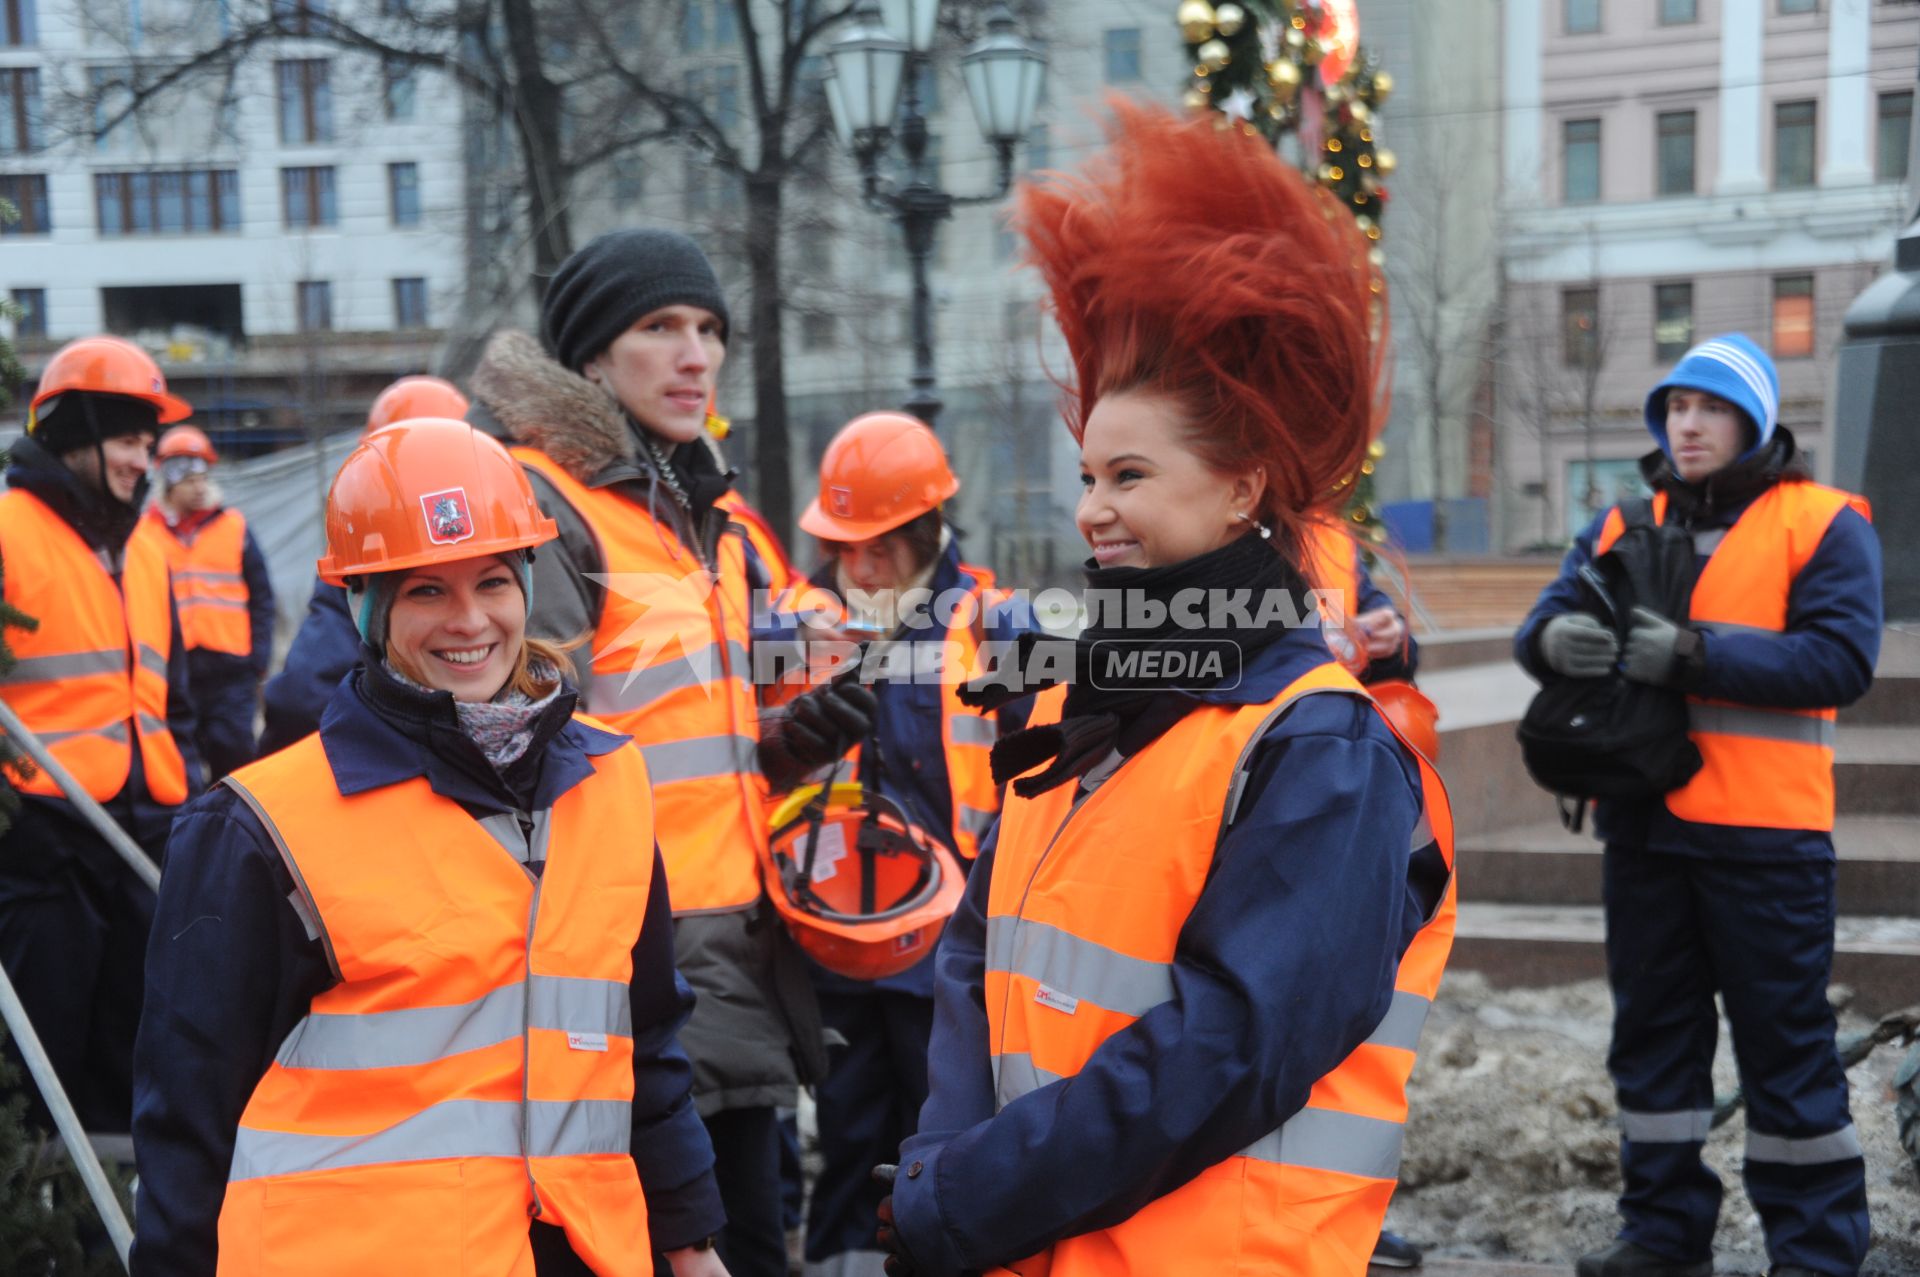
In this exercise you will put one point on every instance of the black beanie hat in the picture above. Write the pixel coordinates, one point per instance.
(80, 418)
(600, 291)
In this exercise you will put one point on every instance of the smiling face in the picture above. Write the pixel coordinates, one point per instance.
(663, 369)
(458, 627)
(1147, 499)
(1704, 432)
(128, 459)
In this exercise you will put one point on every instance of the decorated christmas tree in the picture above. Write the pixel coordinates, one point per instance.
(1294, 72)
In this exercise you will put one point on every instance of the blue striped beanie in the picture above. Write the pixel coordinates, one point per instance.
(1732, 368)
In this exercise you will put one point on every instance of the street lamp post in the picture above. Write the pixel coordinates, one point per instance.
(873, 90)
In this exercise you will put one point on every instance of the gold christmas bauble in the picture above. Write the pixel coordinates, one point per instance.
(1284, 76)
(1229, 18)
(1378, 257)
(1384, 162)
(1296, 40)
(1335, 145)
(1361, 112)
(1214, 54)
(1382, 86)
(1377, 535)
(1197, 99)
(1376, 450)
(1196, 19)
(1366, 467)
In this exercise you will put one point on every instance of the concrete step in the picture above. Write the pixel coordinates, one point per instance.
(1532, 945)
(1876, 770)
(1543, 864)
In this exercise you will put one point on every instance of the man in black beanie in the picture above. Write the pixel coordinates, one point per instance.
(609, 420)
(102, 681)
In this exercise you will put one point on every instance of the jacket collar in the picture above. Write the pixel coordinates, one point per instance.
(1273, 668)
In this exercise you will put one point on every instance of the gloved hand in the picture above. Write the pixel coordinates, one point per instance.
(897, 1264)
(813, 731)
(1578, 645)
(1658, 651)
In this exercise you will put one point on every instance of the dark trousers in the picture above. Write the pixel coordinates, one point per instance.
(869, 1103)
(73, 939)
(746, 1163)
(1680, 929)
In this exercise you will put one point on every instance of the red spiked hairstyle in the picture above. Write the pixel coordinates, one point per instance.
(1191, 262)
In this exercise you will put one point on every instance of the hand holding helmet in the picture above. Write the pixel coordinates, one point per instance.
(814, 730)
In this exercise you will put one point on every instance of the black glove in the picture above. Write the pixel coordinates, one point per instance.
(897, 1264)
(813, 731)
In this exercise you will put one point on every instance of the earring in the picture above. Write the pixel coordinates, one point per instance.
(1266, 533)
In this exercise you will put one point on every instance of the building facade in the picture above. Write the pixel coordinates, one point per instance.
(283, 230)
(1673, 169)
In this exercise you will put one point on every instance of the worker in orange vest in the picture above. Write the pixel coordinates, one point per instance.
(102, 681)
(221, 587)
(1177, 1008)
(326, 646)
(609, 419)
(1726, 885)
(413, 999)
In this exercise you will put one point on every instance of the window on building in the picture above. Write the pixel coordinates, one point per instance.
(1579, 327)
(1675, 12)
(315, 301)
(1583, 17)
(20, 129)
(1123, 55)
(306, 101)
(1039, 148)
(18, 25)
(1580, 157)
(726, 27)
(410, 303)
(403, 193)
(306, 195)
(1895, 136)
(926, 86)
(31, 319)
(629, 178)
(398, 82)
(1676, 162)
(696, 191)
(726, 97)
(693, 25)
(1672, 321)
(1793, 153)
(1792, 316)
(1799, 6)
(167, 202)
(301, 17)
(819, 330)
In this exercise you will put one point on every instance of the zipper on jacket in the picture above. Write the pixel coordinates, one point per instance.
(526, 1057)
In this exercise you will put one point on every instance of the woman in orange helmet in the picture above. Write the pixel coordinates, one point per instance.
(414, 996)
(1176, 1011)
(893, 567)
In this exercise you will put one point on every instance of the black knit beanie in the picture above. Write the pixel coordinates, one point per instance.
(603, 288)
(80, 418)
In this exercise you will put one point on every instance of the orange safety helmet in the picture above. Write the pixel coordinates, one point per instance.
(1411, 713)
(428, 490)
(107, 366)
(881, 471)
(413, 397)
(186, 441)
(863, 891)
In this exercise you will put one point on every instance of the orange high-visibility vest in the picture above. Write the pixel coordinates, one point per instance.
(1084, 916)
(753, 525)
(671, 668)
(1769, 768)
(473, 1067)
(208, 586)
(94, 674)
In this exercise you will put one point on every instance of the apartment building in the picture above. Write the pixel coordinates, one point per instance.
(1673, 169)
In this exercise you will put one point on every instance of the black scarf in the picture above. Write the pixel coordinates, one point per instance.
(103, 521)
(1104, 713)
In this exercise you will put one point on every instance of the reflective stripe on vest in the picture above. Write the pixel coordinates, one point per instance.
(208, 585)
(967, 734)
(480, 1023)
(1771, 768)
(670, 669)
(74, 685)
(1088, 898)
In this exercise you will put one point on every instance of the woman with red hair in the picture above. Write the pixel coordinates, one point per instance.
(1177, 1010)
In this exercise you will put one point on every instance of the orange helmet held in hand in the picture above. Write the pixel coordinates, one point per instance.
(863, 891)
(411, 398)
(427, 491)
(1411, 713)
(882, 470)
(186, 441)
(106, 366)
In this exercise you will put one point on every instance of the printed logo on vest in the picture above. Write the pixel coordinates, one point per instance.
(448, 520)
(586, 1041)
(1057, 1000)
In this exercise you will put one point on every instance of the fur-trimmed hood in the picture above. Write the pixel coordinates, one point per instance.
(542, 405)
